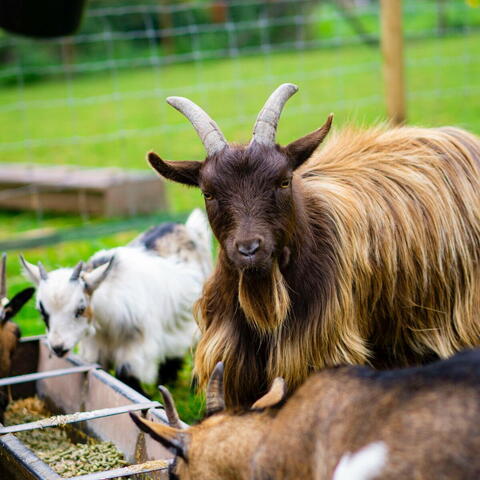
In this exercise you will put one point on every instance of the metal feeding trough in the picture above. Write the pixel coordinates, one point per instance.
(88, 396)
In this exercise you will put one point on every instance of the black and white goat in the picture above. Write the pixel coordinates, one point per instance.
(130, 307)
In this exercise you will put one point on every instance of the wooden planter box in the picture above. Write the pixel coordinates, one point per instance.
(78, 392)
(93, 192)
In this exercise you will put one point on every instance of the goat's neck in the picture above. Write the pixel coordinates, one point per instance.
(303, 238)
(250, 429)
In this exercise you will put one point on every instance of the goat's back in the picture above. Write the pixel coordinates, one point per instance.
(427, 417)
(146, 292)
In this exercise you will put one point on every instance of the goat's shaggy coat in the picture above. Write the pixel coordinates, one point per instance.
(383, 270)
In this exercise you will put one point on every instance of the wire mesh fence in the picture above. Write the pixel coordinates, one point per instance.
(97, 98)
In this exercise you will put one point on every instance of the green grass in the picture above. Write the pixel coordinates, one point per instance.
(441, 77)
(442, 81)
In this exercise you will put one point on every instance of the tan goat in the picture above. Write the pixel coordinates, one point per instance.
(416, 423)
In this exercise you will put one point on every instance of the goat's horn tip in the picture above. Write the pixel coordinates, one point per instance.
(153, 157)
(134, 416)
(174, 100)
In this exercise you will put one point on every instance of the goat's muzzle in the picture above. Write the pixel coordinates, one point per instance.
(251, 254)
(59, 350)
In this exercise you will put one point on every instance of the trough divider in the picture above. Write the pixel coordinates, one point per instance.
(151, 466)
(31, 377)
(59, 420)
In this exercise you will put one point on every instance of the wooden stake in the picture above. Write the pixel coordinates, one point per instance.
(392, 51)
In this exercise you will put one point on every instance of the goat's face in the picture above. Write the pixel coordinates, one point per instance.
(249, 202)
(64, 301)
(210, 450)
(249, 191)
(64, 306)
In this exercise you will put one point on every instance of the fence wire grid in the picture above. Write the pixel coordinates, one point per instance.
(97, 98)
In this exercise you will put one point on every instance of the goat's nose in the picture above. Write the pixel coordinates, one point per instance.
(248, 248)
(59, 350)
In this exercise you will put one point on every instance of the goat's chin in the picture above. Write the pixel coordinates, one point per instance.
(265, 265)
(264, 299)
(257, 269)
(256, 266)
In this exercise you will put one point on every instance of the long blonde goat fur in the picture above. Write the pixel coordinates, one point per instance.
(383, 270)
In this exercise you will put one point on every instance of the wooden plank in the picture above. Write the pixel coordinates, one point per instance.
(105, 192)
(69, 177)
(393, 62)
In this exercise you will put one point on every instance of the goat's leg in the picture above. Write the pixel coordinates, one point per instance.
(168, 370)
(123, 373)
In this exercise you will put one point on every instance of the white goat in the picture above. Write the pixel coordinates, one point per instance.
(129, 308)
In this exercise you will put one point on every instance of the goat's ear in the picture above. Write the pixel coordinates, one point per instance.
(173, 439)
(276, 395)
(16, 303)
(94, 278)
(301, 149)
(30, 272)
(181, 172)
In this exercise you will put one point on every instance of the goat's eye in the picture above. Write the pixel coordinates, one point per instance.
(207, 196)
(79, 312)
(285, 183)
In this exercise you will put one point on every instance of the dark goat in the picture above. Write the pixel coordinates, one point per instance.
(425, 418)
(363, 252)
(9, 331)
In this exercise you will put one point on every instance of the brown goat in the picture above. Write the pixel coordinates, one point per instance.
(425, 418)
(9, 331)
(363, 252)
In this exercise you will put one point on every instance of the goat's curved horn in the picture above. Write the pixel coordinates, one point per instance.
(208, 131)
(43, 272)
(77, 271)
(3, 276)
(215, 400)
(170, 409)
(265, 128)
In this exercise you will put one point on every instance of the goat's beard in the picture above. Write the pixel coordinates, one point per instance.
(264, 298)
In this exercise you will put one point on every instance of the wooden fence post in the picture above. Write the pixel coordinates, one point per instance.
(392, 51)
